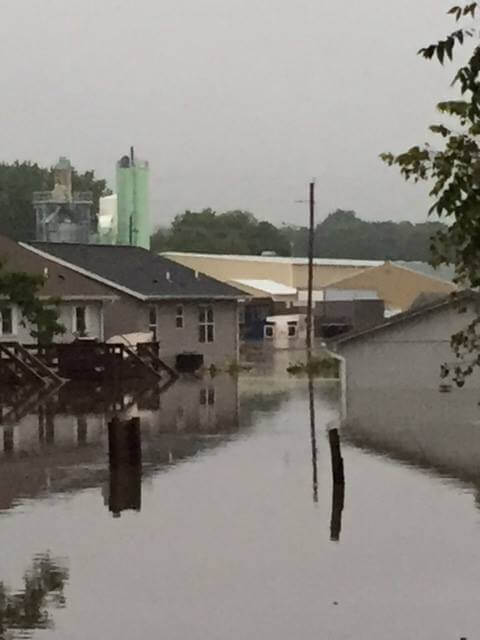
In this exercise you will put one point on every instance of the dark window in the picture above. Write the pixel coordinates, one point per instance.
(179, 317)
(7, 321)
(80, 323)
(292, 329)
(268, 331)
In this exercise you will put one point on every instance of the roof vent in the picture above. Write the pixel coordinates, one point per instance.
(45, 272)
(196, 274)
(167, 276)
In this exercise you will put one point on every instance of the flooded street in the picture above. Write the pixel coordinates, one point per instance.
(229, 528)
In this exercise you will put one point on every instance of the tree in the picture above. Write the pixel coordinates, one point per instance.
(453, 168)
(22, 290)
(19, 180)
(230, 232)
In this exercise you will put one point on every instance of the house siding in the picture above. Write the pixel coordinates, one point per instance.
(404, 356)
(22, 333)
(173, 341)
(125, 315)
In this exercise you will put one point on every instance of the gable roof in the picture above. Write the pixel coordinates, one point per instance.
(397, 285)
(411, 314)
(59, 281)
(135, 271)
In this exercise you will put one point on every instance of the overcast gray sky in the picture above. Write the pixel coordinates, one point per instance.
(235, 103)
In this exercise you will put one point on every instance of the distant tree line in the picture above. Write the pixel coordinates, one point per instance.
(19, 180)
(341, 235)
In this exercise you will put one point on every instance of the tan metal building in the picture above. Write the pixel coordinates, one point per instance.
(291, 272)
(396, 284)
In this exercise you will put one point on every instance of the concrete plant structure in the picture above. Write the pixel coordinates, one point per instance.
(62, 215)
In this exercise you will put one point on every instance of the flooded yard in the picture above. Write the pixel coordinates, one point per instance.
(232, 527)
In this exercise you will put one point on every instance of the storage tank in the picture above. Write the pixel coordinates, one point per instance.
(133, 224)
(107, 220)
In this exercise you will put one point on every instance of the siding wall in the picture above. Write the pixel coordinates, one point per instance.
(128, 316)
(66, 312)
(406, 356)
(174, 341)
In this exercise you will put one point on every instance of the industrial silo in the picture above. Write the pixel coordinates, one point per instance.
(132, 193)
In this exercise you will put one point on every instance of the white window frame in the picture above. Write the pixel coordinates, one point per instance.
(267, 335)
(153, 327)
(179, 317)
(75, 329)
(14, 330)
(205, 324)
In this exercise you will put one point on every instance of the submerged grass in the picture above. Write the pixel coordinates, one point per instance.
(324, 367)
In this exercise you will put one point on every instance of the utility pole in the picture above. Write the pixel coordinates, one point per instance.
(311, 235)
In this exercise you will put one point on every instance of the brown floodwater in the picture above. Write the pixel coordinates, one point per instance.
(219, 516)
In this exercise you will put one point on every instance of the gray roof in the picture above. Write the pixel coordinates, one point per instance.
(137, 270)
(444, 272)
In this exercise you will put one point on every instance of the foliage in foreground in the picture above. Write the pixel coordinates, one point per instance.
(453, 169)
(22, 290)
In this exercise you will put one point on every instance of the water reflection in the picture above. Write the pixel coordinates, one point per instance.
(64, 443)
(419, 427)
(125, 459)
(29, 608)
(313, 438)
(338, 485)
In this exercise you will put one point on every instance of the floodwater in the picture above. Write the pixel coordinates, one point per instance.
(219, 518)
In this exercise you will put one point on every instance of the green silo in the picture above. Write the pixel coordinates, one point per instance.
(132, 193)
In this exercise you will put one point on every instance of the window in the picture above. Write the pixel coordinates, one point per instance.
(292, 329)
(206, 325)
(7, 321)
(80, 320)
(207, 396)
(268, 331)
(179, 317)
(152, 321)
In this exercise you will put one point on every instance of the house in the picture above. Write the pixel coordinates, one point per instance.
(82, 300)
(407, 350)
(392, 399)
(186, 311)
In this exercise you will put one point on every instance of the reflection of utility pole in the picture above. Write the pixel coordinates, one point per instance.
(338, 485)
(313, 438)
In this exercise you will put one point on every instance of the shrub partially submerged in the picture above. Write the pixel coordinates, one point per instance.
(325, 367)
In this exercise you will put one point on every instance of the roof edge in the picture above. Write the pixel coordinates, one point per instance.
(83, 272)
